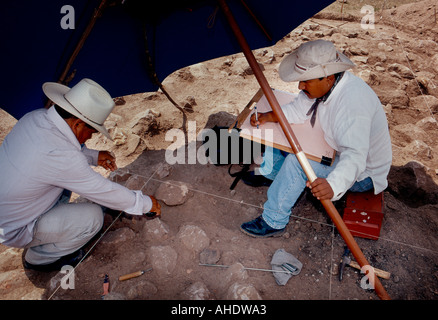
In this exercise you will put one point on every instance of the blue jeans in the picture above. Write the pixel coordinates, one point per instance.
(291, 182)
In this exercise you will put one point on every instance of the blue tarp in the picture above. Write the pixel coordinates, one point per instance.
(35, 46)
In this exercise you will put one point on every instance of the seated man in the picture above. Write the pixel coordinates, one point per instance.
(354, 124)
(43, 159)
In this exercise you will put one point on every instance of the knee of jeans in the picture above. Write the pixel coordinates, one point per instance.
(292, 161)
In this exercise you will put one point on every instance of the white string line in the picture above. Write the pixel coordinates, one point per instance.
(292, 215)
(86, 254)
(240, 202)
(101, 236)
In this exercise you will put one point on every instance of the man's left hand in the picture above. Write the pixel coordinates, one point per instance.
(321, 189)
(107, 160)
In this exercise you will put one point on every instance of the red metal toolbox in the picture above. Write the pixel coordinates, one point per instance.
(363, 214)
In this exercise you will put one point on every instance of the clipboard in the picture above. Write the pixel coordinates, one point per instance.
(310, 139)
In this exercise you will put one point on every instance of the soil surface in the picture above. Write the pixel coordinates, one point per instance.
(201, 216)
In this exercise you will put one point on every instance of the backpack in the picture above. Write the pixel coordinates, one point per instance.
(225, 146)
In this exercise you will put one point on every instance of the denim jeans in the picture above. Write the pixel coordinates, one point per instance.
(289, 182)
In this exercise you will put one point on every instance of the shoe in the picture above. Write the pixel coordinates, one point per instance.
(255, 180)
(72, 260)
(260, 229)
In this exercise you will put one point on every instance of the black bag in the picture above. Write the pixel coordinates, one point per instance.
(226, 147)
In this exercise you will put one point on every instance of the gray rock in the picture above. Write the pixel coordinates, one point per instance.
(173, 193)
(156, 229)
(163, 259)
(118, 236)
(240, 291)
(209, 256)
(193, 238)
(197, 291)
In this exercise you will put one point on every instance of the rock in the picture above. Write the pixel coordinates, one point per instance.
(127, 141)
(404, 134)
(118, 236)
(119, 101)
(140, 289)
(397, 98)
(156, 229)
(241, 67)
(173, 193)
(145, 123)
(121, 175)
(209, 256)
(193, 238)
(197, 291)
(135, 182)
(164, 170)
(384, 47)
(360, 59)
(163, 259)
(427, 83)
(412, 184)
(189, 103)
(269, 55)
(402, 70)
(235, 273)
(380, 56)
(119, 136)
(434, 62)
(420, 150)
(238, 291)
(365, 75)
(199, 70)
(424, 103)
(55, 281)
(428, 123)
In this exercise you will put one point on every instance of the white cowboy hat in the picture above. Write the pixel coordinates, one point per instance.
(87, 101)
(313, 60)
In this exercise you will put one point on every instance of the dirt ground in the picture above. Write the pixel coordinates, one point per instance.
(201, 215)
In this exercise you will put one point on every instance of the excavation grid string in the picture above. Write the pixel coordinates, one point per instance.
(292, 215)
(101, 236)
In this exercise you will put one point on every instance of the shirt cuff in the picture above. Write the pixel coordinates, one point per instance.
(143, 204)
(91, 155)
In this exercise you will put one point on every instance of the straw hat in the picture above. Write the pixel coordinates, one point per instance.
(87, 101)
(313, 60)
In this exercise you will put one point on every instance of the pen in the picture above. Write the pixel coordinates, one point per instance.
(257, 116)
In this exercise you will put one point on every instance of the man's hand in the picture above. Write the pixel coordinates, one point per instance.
(156, 207)
(262, 118)
(321, 189)
(107, 160)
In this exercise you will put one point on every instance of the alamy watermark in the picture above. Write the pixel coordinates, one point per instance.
(68, 281)
(223, 146)
(68, 20)
(367, 281)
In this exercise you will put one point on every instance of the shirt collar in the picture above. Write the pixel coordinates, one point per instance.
(329, 94)
(62, 126)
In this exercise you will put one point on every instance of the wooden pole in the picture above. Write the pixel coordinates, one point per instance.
(328, 205)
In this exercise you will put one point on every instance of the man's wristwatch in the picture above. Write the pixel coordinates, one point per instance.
(150, 214)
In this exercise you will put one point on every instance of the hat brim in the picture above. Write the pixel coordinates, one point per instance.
(56, 91)
(288, 72)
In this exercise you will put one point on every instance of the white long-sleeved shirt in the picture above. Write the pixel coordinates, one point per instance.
(40, 158)
(355, 125)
